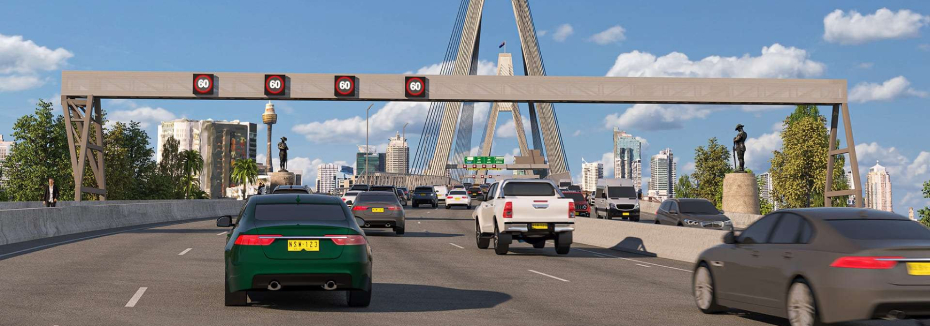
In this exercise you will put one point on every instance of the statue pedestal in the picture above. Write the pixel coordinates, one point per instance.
(740, 193)
(281, 178)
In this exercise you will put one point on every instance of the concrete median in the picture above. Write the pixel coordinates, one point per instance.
(24, 224)
(672, 242)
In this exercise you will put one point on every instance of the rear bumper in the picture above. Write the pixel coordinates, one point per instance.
(246, 270)
(840, 301)
(524, 227)
(381, 221)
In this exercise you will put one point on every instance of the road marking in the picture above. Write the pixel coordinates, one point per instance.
(221, 233)
(547, 275)
(457, 246)
(647, 266)
(135, 297)
(185, 251)
(634, 260)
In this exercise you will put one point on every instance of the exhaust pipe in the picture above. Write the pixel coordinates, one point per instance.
(329, 285)
(387, 225)
(367, 225)
(896, 314)
(274, 286)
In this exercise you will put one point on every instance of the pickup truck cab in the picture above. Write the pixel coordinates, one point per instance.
(530, 210)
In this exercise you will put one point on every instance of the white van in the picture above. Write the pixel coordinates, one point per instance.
(616, 198)
(441, 193)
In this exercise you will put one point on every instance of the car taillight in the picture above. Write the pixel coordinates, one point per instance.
(865, 262)
(343, 199)
(448, 197)
(508, 210)
(359, 208)
(393, 208)
(348, 240)
(256, 239)
(571, 209)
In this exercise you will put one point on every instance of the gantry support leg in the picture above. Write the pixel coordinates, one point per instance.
(84, 128)
(850, 149)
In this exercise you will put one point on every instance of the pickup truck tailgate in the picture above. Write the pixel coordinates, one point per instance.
(540, 209)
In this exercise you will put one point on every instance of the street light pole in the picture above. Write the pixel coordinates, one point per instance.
(367, 149)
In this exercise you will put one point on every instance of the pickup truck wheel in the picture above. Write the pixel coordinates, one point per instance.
(482, 241)
(563, 243)
(501, 241)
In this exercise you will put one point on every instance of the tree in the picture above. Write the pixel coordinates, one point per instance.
(765, 206)
(130, 168)
(171, 169)
(244, 172)
(684, 188)
(711, 164)
(799, 169)
(192, 166)
(40, 152)
(924, 213)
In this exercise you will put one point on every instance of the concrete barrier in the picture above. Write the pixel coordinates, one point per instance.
(24, 224)
(672, 242)
(740, 220)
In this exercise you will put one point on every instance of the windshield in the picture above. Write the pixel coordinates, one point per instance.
(352, 193)
(697, 207)
(291, 191)
(299, 212)
(621, 192)
(576, 196)
(881, 229)
(528, 189)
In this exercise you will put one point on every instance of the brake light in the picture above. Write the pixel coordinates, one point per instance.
(348, 240)
(448, 197)
(508, 210)
(255, 239)
(571, 209)
(865, 262)
(393, 208)
(359, 208)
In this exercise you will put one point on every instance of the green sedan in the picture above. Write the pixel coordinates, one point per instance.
(296, 242)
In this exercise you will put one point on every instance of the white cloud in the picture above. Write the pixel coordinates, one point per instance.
(542, 33)
(759, 150)
(614, 34)
(656, 117)
(643, 141)
(563, 32)
(865, 65)
(22, 60)
(688, 168)
(907, 175)
(854, 28)
(14, 83)
(144, 115)
(509, 129)
(925, 47)
(889, 90)
(576, 133)
(484, 68)
(776, 61)
(607, 159)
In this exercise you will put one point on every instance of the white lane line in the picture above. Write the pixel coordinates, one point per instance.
(547, 275)
(135, 297)
(634, 260)
(457, 246)
(185, 251)
(647, 266)
(221, 233)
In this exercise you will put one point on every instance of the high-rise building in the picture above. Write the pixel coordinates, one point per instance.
(375, 161)
(397, 155)
(878, 189)
(627, 151)
(637, 174)
(910, 213)
(765, 187)
(220, 143)
(326, 177)
(590, 172)
(663, 168)
(5, 148)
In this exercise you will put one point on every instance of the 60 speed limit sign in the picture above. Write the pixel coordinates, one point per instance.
(415, 86)
(203, 84)
(345, 86)
(275, 84)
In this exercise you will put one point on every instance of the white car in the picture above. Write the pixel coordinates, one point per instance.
(458, 197)
(349, 197)
(530, 210)
(441, 193)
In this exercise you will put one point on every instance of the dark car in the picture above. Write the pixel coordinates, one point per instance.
(475, 192)
(295, 189)
(401, 197)
(359, 187)
(406, 193)
(424, 195)
(380, 209)
(692, 212)
(581, 203)
(296, 242)
(820, 265)
(390, 189)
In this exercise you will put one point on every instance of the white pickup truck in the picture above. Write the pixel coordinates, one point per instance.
(530, 210)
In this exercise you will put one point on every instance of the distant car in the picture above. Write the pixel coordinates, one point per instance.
(474, 192)
(424, 195)
(406, 193)
(401, 197)
(484, 188)
(616, 198)
(380, 209)
(441, 192)
(458, 197)
(349, 197)
(581, 204)
(359, 187)
(295, 242)
(692, 212)
(820, 265)
(295, 189)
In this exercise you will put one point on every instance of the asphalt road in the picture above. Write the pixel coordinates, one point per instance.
(433, 275)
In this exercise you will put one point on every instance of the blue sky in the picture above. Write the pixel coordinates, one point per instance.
(886, 51)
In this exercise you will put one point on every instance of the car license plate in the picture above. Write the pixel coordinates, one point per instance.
(377, 210)
(540, 226)
(626, 214)
(458, 197)
(303, 245)
(922, 269)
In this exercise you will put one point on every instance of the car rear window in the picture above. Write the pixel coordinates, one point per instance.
(299, 212)
(697, 207)
(528, 189)
(375, 197)
(457, 192)
(422, 190)
(352, 193)
(381, 189)
(290, 191)
(576, 197)
(881, 229)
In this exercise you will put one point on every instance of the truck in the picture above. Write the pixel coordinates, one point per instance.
(532, 211)
(616, 198)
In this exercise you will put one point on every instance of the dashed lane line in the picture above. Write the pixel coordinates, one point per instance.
(457, 246)
(221, 233)
(634, 260)
(185, 251)
(135, 297)
(547, 275)
(647, 266)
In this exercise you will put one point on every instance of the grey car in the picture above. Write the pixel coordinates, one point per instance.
(820, 265)
(380, 209)
(692, 212)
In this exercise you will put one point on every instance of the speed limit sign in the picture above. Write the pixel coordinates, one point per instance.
(345, 86)
(415, 86)
(203, 84)
(275, 84)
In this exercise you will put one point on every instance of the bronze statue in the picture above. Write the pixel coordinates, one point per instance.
(739, 148)
(282, 154)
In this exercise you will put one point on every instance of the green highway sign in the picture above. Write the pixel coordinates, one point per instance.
(484, 160)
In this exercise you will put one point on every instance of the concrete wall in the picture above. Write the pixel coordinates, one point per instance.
(672, 242)
(38, 204)
(24, 224)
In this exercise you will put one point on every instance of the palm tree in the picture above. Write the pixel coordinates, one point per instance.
(244, 172)
(192, 165)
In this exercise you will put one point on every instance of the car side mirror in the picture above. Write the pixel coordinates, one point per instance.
(224, 221)
(721, 211)
(729, 238)
(359, 221)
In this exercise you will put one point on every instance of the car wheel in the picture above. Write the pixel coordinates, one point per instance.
(447, 207)
(657, 221)
(482, 241)
(634, 218)
(563, 243)
(501, 241)
(398, 230)
(238, 298)
(435, 205)
(359, 298)
(468, 207)
(608, 216)
(802, 307)
(705, 295)
(539, 244)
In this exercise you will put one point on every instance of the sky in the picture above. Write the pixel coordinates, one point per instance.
(883, 53)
